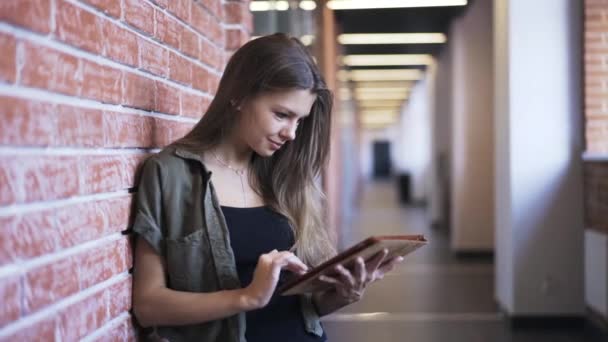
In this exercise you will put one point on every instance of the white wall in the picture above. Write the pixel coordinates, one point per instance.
(472, 171)
(441, 138)
(539, 143)
(415, 136)
(596, 271)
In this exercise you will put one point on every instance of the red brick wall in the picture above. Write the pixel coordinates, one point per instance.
(596, 113)
(87, 90)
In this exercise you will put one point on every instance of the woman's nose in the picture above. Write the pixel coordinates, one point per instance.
(289, 132)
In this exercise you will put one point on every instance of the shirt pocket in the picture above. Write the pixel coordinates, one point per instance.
(187, 262)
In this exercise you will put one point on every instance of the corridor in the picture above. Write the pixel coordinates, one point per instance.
(433, 296)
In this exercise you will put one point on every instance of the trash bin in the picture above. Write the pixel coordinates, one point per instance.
(404, 185)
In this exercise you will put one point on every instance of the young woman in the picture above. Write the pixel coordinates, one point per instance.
(224, 212)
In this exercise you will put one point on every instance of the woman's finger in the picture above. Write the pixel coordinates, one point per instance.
(376, 261)
(387, 267)
(289, 261)
(360, 271)
(345, 275)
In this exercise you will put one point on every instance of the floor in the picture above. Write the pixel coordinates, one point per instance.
(433, 296)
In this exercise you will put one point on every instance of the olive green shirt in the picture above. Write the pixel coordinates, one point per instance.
(179, 215)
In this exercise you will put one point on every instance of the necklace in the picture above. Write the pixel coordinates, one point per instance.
(239, 172)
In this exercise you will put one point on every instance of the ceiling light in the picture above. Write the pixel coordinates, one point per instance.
(381, 96)
(384, 84)
(381, 75)
(381, 90)
(391, 38)
(364, 4)
(381, 103)
(307, 39)
(398, 59)
(375, 119)
(260, 6)
(308, 5)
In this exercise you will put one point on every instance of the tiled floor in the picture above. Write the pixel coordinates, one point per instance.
(433, 296)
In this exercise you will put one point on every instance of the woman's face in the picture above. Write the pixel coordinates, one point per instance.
(269, 120)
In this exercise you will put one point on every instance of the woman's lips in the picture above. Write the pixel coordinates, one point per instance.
(275, 145)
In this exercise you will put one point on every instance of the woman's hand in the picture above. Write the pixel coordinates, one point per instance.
(266, 276)
(351, 285)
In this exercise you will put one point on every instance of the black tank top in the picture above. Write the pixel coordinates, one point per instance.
(255, 231)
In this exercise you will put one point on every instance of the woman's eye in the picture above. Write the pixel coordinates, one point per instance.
(281, 115)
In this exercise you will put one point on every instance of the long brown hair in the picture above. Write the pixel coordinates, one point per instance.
(287, 181)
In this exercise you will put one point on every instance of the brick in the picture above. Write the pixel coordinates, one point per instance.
(215, 7)
(10, 296)
(153, 57)
(11, 192)
(214, 82)
(210, 55)
(49, 283)
(101, 83)
(51, 69)
(78, 27)
(102, 263)
(119, 44)
(200, 78)
(36, 178)
(83, 317)
(166, 99)
(193, 105)
(79, 126)
(235, 38)
(161, 3)
(110, 172)
(27, 122)
(168, 30)
(181, 9)
(41, 232)
(31, 14)
(111, 7)
(8, 65)
(138, 91)
(140, 15)
(94, 220)
(128, 130)
(180, 69)
(40, 330)
(201, 20)
(123, 331)
(119, 297)
(189, 43)
(235, 12)
(215, 32)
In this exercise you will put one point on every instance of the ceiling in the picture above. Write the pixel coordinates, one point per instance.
(396, 20)
(393, 20)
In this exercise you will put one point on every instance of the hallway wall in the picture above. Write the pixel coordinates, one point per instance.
(539, 240)
(596, 155)
(472, 144)
(87, 90)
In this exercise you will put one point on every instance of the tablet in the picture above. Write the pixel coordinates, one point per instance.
(397, 245)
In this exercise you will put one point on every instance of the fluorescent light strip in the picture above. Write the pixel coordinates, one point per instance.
(365, 4)
(380, 104)
(385, 84)
(381, 96)
(308, 5)
(261, 6)
(381, 90)
(391, 38)
(307, 39)
(400, 59)
(381, 75)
